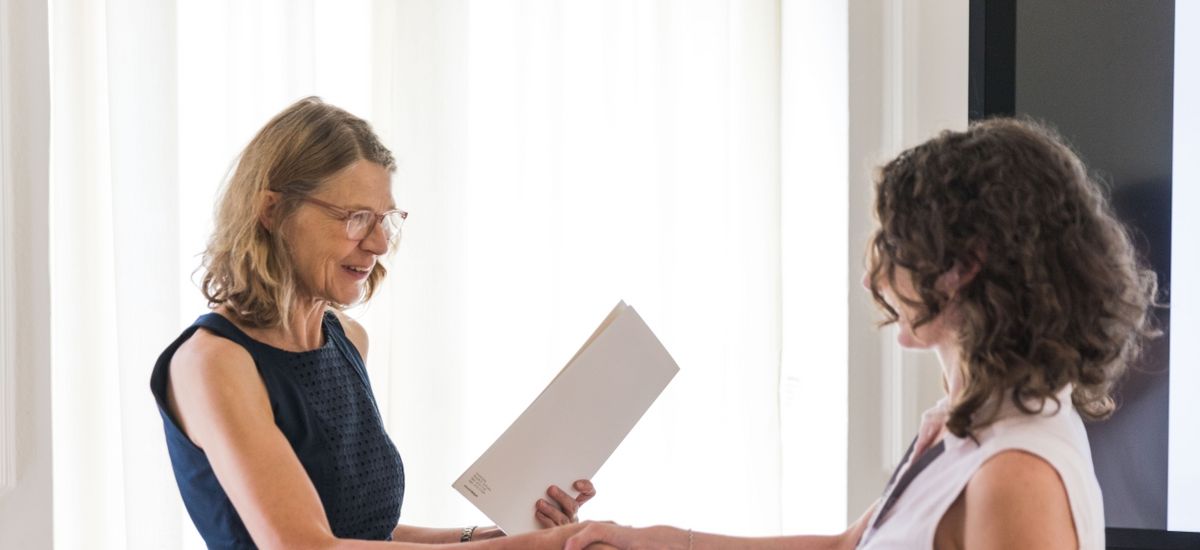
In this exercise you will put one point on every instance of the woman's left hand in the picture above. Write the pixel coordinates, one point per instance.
(561, 508)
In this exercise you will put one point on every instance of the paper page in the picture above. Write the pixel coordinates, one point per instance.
(572, 428)
(620, 307)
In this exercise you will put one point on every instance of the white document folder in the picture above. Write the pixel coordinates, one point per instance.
(576, 423)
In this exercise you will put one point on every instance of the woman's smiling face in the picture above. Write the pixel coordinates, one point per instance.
(329, 264)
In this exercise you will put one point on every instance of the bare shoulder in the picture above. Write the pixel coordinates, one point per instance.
(206, 347)
(207, 359)
(1016, 474)
(1017, 500)
(354, 331)
(213, 381)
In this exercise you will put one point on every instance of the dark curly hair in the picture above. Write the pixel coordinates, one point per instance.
(1060, 296)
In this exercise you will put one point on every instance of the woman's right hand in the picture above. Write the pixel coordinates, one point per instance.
(560, 508)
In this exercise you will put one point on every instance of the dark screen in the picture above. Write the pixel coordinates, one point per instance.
(1100, 72)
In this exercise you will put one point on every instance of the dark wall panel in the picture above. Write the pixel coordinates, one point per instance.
(1100, 71)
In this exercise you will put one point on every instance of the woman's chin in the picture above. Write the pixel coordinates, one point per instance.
(350, 299)
(906, 340)
(346, 296)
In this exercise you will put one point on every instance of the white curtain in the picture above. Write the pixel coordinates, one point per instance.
(115, 269)
(556, 156)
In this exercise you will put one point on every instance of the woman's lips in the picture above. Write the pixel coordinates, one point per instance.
(357, 272)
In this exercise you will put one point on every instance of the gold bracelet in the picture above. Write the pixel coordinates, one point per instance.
(468, 533)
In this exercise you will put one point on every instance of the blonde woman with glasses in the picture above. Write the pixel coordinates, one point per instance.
(270, 421)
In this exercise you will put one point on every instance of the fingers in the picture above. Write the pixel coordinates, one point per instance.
(551, 515)
(568, 505)
(586, 491)
(543, 518)
(561, 508)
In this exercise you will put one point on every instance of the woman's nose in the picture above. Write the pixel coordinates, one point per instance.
(376, 242)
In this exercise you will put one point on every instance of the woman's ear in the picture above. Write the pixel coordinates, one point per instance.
(958, 276)
(267, 203)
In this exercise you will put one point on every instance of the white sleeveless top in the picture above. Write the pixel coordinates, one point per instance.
(1057, 436)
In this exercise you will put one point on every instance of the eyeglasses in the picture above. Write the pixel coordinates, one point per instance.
(360, 223)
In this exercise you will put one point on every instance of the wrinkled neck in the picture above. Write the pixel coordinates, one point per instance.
(302, 331)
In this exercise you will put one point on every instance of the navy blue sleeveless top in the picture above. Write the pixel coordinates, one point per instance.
(322, 402)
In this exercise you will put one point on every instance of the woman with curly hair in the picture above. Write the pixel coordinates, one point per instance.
(998, 251)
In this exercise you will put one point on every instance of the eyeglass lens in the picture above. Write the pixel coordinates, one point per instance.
(360, 224)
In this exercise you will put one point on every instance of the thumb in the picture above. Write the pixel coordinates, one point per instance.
(576, 543)
(586, 536)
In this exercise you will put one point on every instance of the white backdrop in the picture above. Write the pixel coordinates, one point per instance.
(555, 157)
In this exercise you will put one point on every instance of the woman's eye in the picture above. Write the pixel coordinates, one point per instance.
(361, 218)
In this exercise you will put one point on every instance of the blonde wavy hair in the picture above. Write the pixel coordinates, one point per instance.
(248, 268)
(1060, 298)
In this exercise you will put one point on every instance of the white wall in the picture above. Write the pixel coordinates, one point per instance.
(25, 504)
(1183, 493)
(908, 81)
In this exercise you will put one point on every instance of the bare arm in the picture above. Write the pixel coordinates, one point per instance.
(603, 536)
(435, 535)
(1017, 500)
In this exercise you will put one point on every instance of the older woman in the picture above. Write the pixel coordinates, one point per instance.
(997, 251)
(270, 421)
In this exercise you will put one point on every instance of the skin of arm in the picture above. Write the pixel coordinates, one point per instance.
(434, 535)
(1017, 500)
(603, 536)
